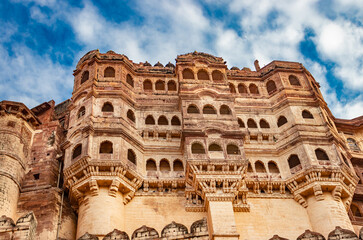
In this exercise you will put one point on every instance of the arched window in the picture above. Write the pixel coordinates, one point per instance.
(85, 76)
(131, 115)
(175, 121)
(264, 124)
(232, 88)
(106, 147)
(131, 156)
(281, 121)
(242, 88)
(151, 165)
(225, 110)
(171, 86)
(271, 87)
(197, 148)
(251, 123)
(107, 107)
(260, 167)
(217, 76)
(307, 114)
(321, 154)
(164, 165)
(159, 85)
(355, 210)
(149, 120)
(129, 80)
(233, 149)
(109, 72)
(272, 167)
(294, 80)
(81, 112)
(253, 89)
(178, 166)
(192, 109)
(293, 161)
(209, 109)
(241, 123)
(163, 121)
(188, 74)
(353, 144)
(203, 75)
(148, 86)
(77, 151)
(214, 148)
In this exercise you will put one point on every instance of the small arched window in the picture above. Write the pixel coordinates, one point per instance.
(171, 86)
(77, 151)
(81, 112)
(253, 89)
(203, 75)
(307, 114)
(107, 107)
(271, 87)
(232, 88)
(106, 147)
(293, 161)
(233, 149)
(151, 165)
(163, 121)
(130, 80)
(109, 72)
(225, 110)
(294, 80)
(131, 156)
(321, 154)
(175, 121)
(131, 115)
(85, 76)
(264, 124)
(260, 167)
(214, 148)
(272, 167)
(197, 148)
(242, 88)
(241, 124)
(353, 145)
(217, 76)
(209, 109)
(249, 168)
(251, 123)
(149, 120)
(281, 121)
(164, 165)
(355, 210)
(160, 85)
(148, 86)
(178, 166)
(188, 74)
(192, 109)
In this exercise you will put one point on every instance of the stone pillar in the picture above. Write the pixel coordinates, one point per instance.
(100, 213)
(326, 213)
(221, 221)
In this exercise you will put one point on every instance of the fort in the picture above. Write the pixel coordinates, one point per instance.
(193, 150)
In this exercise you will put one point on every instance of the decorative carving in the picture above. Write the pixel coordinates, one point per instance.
(93, 187)
(300, 199)
(114, 188)
(277, 237)
(340, 233)
(174, 229)
(145, 233)
(6, 221)
(116, 235)
(309, 235)
(318, 192)
(88, 236)
(199, 226)
(337, 193)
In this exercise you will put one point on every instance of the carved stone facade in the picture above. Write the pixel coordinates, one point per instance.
(186, 151)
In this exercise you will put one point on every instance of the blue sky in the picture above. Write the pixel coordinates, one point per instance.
(42, 40)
